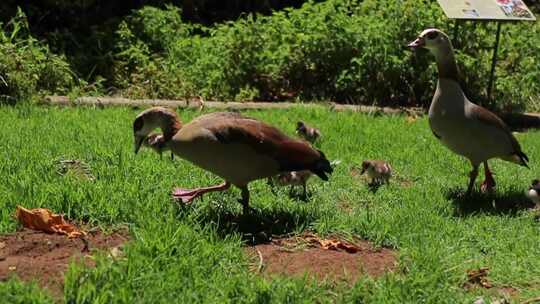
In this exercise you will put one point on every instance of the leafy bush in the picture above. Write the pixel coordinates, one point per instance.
(349, 51)
(343, 50)
(27, 66)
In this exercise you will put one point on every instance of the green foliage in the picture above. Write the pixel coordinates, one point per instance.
(347, 51)
(142, 66)
(28, 67)
(14, 291)
(344, 50)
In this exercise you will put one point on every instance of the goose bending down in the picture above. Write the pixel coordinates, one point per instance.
(464, 127)
(234, 147)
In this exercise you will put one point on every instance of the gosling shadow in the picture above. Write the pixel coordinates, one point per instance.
(500, 203)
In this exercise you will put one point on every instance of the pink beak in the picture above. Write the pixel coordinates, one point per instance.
(418, 43)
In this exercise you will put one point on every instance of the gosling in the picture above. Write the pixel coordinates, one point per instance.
(156, 142)
(308, 133)
(293, 178)
(533, 193)
(378, 171)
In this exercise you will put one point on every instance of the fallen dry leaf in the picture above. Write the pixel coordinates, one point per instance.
(478, 277)
(337, 245)
(44, 220)
(330, 244)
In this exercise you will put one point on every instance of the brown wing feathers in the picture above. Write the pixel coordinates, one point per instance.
(489, 118)
(292, 155)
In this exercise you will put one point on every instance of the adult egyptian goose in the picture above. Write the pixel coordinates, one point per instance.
(464, 127)
(237, 148)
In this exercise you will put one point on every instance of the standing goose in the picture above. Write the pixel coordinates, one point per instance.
(236, 148)
(464, 127)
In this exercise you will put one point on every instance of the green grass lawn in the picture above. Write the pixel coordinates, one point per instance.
(195, 254)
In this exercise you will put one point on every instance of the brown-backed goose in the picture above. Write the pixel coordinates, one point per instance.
(464, 127)
(234, 147)
(378, 171)
(308, 133)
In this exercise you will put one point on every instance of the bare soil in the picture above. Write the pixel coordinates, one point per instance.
(281, 257)
(33, 255)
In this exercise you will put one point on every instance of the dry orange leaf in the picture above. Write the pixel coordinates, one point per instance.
(337, 245)
(44, 220)
(478, 277)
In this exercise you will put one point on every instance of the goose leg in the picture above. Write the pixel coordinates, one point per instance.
(472, 176)
(188, 195)
(489, 183)
(304, 196)
(245, 199)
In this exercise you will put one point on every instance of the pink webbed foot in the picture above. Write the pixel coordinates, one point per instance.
(488, 186)
(186, 196)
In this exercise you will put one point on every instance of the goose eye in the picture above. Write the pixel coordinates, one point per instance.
(432, 35)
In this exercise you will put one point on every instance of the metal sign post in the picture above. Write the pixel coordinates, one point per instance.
(487, 10)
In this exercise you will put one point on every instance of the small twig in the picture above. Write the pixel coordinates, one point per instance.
(531, 300)
(456, 266)
(259, 269)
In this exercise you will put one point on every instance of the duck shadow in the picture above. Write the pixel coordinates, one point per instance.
(257, 226)
(506, 203)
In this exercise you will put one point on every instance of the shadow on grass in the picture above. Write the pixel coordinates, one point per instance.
(259, 225)
(507, 203)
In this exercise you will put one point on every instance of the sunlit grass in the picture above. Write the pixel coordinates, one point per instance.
(194, 254)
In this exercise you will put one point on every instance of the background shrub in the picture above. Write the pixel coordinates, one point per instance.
(342, 50)
(27, 67)
(348, 51)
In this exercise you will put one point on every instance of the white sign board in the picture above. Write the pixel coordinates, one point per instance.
(486, 9)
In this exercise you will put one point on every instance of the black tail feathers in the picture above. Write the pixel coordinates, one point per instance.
(523, 158)
(322, 167)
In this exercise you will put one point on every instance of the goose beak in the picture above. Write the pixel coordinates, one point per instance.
(418, 43)
(138, 142)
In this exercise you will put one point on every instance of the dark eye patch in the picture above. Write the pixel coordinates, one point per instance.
(137, 124)
(432, 35)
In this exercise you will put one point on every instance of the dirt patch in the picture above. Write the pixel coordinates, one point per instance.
(43, 257)
(296, 257)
